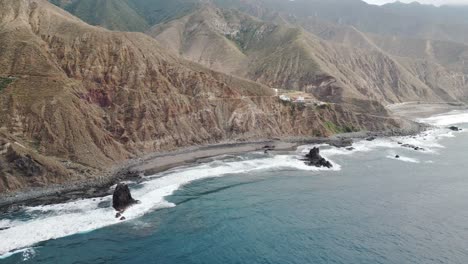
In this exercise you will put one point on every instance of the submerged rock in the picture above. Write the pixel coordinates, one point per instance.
(341, 143)
(314, 159)
(454, 128)
(413, 147)
(371, 138)
(122, 198)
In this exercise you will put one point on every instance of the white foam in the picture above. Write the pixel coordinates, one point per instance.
(451, 118)
(60, 220)
(55, 221)
(405, 159)
(4, 223)
(27, 254)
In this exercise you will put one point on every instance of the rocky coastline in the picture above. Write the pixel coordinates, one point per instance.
(154, 163)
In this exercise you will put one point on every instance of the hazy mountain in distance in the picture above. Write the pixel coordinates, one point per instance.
(346, 66)
(111, 14)
(408, 20)
(127, 15)
(454, 14)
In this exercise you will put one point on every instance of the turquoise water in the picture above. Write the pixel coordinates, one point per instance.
(374, 209)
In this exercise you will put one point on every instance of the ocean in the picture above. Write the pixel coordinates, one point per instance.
(254, 208)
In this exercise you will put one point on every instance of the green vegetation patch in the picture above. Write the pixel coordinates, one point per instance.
(339, 129)
(4, 82)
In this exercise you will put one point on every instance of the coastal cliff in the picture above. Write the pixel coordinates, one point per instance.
(82, 99)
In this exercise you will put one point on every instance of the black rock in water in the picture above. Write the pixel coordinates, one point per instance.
(314, 159)
(397, 156)
(371, 138)
(413, 147)
(454, 128)
(122, 199)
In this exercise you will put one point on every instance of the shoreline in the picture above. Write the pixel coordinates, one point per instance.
(153, 163)
(158, 162)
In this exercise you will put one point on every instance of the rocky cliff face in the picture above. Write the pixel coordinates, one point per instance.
(83, 99)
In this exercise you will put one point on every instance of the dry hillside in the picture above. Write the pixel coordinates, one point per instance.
(76, 100)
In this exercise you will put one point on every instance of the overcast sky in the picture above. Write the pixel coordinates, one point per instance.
(435, 2)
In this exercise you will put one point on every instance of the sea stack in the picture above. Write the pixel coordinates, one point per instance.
(314, 159)
(122, 198)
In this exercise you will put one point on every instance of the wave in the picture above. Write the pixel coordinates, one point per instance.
(404, 159)
(60, 220)
(452, 118)
(26, 254)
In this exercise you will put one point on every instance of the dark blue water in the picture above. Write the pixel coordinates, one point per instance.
(374, 210)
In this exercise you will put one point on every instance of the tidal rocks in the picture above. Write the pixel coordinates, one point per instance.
(413, 147)
(268, 148)
(454, 128)
(397, 156)
(341, 143)
(122, 198)
(371, 138)
(314, 159)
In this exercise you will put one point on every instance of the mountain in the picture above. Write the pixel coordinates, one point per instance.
(334, 63)
(127, 15)
(446, 23)
(111, 14)
(454, 14)
(77, 100)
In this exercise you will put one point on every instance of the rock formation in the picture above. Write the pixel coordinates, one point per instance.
(122, 198)
(413, 147)
(315, 159)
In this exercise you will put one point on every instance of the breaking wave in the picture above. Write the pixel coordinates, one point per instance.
(59, 220)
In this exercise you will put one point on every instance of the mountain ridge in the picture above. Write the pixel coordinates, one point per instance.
(83, 99)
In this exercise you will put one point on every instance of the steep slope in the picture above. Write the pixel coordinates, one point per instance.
(456, 14)
(345, 66)
(440, 65)
(405, 20)
(80, 99)
(159, 11)
(414, 20)
(203, 37)
(111, 14)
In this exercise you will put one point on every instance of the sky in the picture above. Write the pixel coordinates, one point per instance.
(434, 2)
